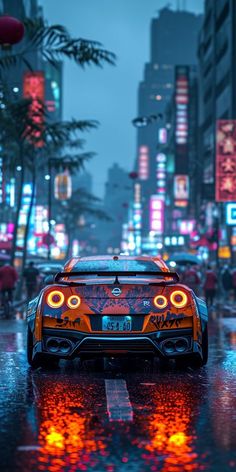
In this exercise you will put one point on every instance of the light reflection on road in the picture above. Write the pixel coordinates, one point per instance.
(57, 420)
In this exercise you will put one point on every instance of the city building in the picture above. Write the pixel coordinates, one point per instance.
(217, 101)
(168, 49)
(117, 198)
(182, 207)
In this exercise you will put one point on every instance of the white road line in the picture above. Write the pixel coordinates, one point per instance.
(119, 407)
(28, 448)
(147, 383)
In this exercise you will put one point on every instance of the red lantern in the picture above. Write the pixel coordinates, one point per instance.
(11, 31)
(63, 186)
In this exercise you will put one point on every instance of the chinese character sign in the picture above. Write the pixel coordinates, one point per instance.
(143, 163)
(181, 118)
(34, 88)
(226, 161)
(156, 214)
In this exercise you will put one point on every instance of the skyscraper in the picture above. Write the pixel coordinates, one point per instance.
(173, 41)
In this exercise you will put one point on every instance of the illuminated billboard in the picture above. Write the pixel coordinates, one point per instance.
(34, 88)
(161, 174)
(162, 135)
(143, 163)
(226, 161)
(181, 190)
(1, 180)
(156, 214)
(181, 118)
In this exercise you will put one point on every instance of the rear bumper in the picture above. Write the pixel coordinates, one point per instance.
(166, 344)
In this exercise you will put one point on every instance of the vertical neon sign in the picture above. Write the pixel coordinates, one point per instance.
(34, 88)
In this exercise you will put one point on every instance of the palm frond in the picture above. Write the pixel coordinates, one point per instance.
(55, 44)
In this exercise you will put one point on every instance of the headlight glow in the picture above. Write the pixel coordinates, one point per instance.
(55, 299)
(179, 299)
(160, 301)
(73, 301)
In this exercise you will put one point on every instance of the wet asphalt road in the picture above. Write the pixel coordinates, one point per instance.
(120, 417)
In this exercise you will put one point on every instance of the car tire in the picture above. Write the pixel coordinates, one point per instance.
(38, 360)
(195, 361)
(205, 346)
(33, 362)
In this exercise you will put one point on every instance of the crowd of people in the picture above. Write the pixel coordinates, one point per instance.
(210, 283)
(206, 282)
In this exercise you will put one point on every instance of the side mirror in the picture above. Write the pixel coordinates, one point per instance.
(49, 280)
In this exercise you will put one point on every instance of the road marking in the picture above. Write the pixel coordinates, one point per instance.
(28, 448)
(147, 383)
(119, 407)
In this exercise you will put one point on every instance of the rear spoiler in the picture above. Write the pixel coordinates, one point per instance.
(117, 274)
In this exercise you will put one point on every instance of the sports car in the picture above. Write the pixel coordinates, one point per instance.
(116, 305)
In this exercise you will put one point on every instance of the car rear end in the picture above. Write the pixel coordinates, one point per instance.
(136, 316)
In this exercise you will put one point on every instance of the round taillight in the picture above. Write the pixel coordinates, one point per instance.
(73, 302)
(55, 299)
(179, 299)
(160, 301)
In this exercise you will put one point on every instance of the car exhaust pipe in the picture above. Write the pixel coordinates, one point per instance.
(181, 345)
(171, 346)
(52, 345)
(58, 345)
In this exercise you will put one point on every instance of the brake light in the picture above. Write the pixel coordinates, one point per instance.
(160, 301)
(179, 299)
(73, 301)
(55, 299)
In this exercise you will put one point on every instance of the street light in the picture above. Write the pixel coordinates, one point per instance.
(142, 121)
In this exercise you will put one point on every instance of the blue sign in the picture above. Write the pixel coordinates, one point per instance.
(231, 214)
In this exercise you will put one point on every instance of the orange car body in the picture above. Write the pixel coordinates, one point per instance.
(116, 305)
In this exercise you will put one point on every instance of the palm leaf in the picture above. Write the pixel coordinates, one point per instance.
(55, 43)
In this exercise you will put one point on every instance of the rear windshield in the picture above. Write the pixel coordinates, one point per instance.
(117, 265)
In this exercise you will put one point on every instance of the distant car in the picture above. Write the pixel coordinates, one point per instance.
(117, 305)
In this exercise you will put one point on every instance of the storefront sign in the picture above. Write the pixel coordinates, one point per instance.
(226, 161)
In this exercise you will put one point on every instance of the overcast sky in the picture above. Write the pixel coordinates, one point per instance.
(108, 95)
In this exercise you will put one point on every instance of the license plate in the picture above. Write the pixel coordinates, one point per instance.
(116, 323)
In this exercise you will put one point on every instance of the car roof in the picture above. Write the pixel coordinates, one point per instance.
(156, 259)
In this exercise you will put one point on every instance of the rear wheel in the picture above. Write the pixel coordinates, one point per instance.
(196, 361)
(38, 360)
(29, 349)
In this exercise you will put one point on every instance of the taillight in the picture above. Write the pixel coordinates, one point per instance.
(55, 299)
(160, 301)
(179, 299)
(73, 302)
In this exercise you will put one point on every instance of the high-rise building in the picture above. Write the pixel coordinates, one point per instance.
(118, 193)
(174, 37)
(217, 74)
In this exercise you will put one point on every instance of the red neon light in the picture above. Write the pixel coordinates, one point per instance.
(226, 161)
(34, 88)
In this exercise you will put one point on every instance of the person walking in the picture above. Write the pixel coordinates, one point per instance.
(234, 282)
(191, 278)
(227, 280)
(209, 286)
(31, 274)
(8, 279)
